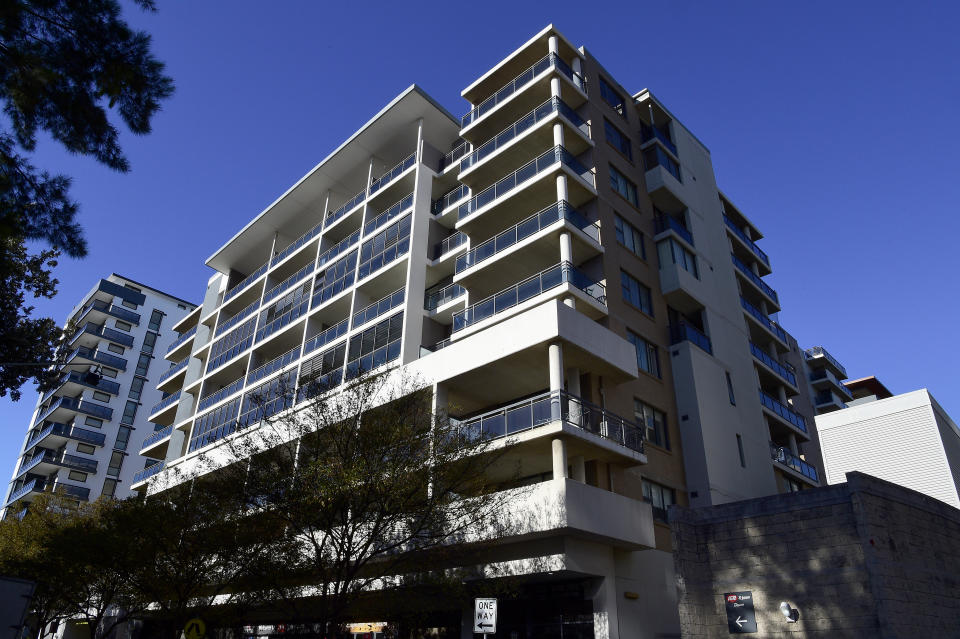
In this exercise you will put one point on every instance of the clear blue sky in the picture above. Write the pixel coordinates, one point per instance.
(832, 125)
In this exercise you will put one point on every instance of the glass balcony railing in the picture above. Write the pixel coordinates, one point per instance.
(757, 314)
(449, 243)
(173, 370)
(326, 336)
(783, 455)
(822, 373)
(148, 472)
(393, 173)
(346, 208)
(655, 156)
(300, 241)
(549, 407)
(523, 79)
(77, 377)
(236, 319)
(336, 250)
(448, 199)
(665, 222)
(393, 211)
(107, 333)
(820, 351)
(210, 399)
(684, 332)
(648, 132)
(525, 229)
(70, 432)
(528, 289)
(277, 290)
(34, 485)
(436, 298)
(97, 356)
(275, 364)
(63, 460)
(163, 403)
(156, 436)
(81, 406)
(753, 277)
(527, 171)
(542, 112)
(458, 151)
(743, 236)
(378, 308)
(180, 340)
(433, 348)
(242, 284)
(783, 411)
(111, 309)
(778, 368)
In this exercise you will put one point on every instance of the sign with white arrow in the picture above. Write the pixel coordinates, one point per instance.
(485, 616)
(740, 614)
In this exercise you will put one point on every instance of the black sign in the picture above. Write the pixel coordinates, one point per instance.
(740, 615)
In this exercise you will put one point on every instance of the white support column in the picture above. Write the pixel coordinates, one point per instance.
(559, 458)
(555, 88)
(562, 192)
(578, 66)
(555, 352)
(553, 44)
(566, 247)
(558, 134)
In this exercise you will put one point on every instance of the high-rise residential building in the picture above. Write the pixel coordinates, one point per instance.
(561, 267)
(85, 435)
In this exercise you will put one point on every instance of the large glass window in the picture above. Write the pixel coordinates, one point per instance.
(109, 487)
(670, 251)
(136, 387)
(659, 497)
(617, 139)
(143, 364)
(116, 461)
(155, 318)
(149, 341)
(653, 421)
(635, 293)
(623, 186)
(629, 237)
(123, 438)
(129, 412)
(612, 97)
(648, 358)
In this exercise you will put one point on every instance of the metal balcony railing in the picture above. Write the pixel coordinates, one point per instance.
(241, 315)
(277, 290)
(326, 336)
(392, 211)
(529, 288)
(173, 370)
(180, 340)
(70, 432)
(820, 351)
(148, 472)
(753, 277)
(107, 333)
(98, 356)
(64, 460)
(346, 208)
(783, 411)
(242, 284)
(783, 455)
(776, 366)
(273, 365)
(36, 484)
(157, 436)
(378, 308)
(757, 314)
(340, 247)
(739, 232)
(163, 403)
(449, 243)
(393, 173)
(300, 241)
(649, 132)
(111, 309)
(664, 222)
(448, 199)
(436, 298)
(212, 398)
(458, 151)
(684, 332)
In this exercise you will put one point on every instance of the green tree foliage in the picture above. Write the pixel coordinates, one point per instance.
(66, 66)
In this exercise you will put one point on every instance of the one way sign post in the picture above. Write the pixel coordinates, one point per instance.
(485, 616)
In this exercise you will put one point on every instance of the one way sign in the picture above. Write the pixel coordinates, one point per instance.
(485, 616)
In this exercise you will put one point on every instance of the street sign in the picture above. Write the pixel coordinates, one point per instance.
(194, 629)
(485, 616)
(740, 615)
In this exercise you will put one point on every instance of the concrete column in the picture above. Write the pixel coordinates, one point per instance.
(175, 447)
(578, 65)
(557, 134)
(792, 439)
(782, 395)
(562, 192)
(555, 352)
(553, 44)
(566, 247)
(579, 469)
(555, 91)
(559, 458)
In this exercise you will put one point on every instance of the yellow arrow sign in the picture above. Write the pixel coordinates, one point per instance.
(195, 629)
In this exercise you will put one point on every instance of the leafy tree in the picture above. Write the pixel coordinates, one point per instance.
(66, 66)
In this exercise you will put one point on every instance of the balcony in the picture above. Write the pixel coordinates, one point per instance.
(764, 321)
(816, 353)
(300, 241)
(279, 289)
(783, 412)
(326, 336)
(664, 223)
(181, 340)
(173, 370)
(98, 330)
(378, 308)
(49, 461)
(784, 457)
(274, 365)
(547, 161)
(351, 204)
(684, 332)
(436, 298)
(524, 78)
(826, 401)
(549, 407)
(742, 236)
(241, 315)
(448, 244)
(99, 306)
(392, 211)
(648, 132)
(528, 289)
(527, 228)
(393, 173)
(245, 282)
(215, 397)
(164, 403)
(147, 472)
(448, 199)
(450, 158)
(91, 355)
(156, 436)
(56, 434)
(75, 381)
(783, 371)
(34, 485)
(824, 377)
(77, 405)
(754, 279)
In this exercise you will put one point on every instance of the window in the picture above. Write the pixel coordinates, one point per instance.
(155, 318)
(76, 475)
(86, 449)
(670, 250)
(123, 438)
(116, 461)
(93, 421)
(132, 288)
(612, 97)
(123, 326)
(659, 497)
(143, 364)
(101, 397)
(136, 387)
(656, 156)
(635, 293)
(108, 372)
(743, 460)
(629, 237)
(733, 398)
(149, 340)
(654, 423)
(617, 139)
(647, 358)
(115, 348)
(128, 304)
(129, 413)
(623, 186)
(109, 487)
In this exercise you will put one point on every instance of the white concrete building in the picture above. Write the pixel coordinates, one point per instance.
(906, 439)
(564, 241)
(85, 436)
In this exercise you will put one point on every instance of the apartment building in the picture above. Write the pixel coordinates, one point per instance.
(825, 375)
(85, 435)
(561, 267)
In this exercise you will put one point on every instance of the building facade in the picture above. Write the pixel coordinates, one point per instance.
(561, 267)
(85, 436)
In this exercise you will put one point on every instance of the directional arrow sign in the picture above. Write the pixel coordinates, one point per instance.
(740, 615)
(485, 616)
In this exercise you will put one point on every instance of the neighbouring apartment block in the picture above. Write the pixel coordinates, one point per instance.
(85, 436)
(560, 266)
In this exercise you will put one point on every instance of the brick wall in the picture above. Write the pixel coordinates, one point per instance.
(862, 559)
